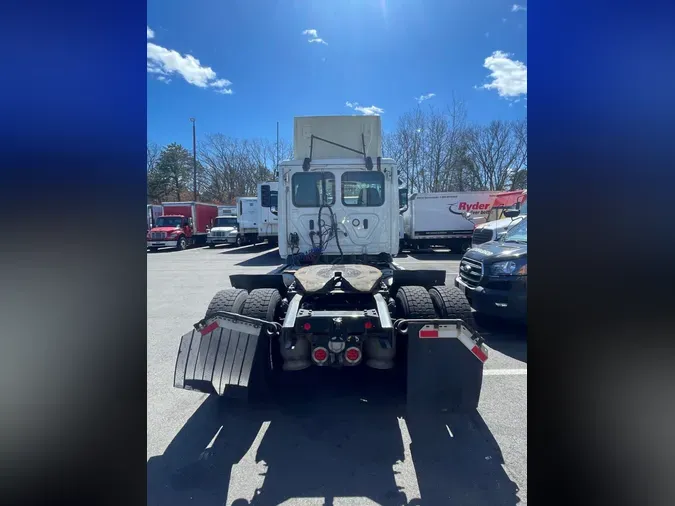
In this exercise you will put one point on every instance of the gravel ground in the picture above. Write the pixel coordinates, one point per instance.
(332, 442)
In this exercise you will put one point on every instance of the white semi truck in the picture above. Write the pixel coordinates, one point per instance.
(340, 301)
(268, 220)
(438, 219)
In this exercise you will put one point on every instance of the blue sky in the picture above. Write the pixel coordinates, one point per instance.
(239, 66)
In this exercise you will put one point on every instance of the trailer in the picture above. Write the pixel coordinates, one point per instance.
(340, 301)
(182, 224)
(268, 221)
(439, 219)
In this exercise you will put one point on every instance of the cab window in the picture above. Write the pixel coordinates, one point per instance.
(363, 189)
(313, 189)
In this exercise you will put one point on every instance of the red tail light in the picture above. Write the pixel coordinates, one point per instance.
(352, 355)
(307, 326)
(320, 355)
(369, 325)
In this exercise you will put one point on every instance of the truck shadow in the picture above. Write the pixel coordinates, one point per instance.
(268, 258)
(339, 439)
(245, 250)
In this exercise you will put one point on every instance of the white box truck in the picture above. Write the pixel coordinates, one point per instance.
(248, 214)
(438, 219)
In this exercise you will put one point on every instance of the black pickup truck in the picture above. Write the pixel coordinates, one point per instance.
(493, 275)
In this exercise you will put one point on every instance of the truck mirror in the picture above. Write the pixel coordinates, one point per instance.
(265, 196)
(273, 210)
(402, 198)
(511, 213)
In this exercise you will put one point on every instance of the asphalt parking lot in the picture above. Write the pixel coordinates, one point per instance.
(342, 440)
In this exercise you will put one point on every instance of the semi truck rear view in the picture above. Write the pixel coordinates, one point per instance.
(340, 301)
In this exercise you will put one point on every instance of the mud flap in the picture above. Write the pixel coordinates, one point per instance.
(218, 355)
(445, 365)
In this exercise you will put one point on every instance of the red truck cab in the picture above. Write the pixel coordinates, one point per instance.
(170, 231)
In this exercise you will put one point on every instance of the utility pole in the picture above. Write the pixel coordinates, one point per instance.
(194, 157)
(276, 167)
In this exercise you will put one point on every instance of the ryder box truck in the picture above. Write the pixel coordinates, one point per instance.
(438, 219)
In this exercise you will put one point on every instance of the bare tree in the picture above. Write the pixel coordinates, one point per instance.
(233, 167)
(496, 153)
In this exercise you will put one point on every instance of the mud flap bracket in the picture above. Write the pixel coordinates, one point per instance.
(219, 353)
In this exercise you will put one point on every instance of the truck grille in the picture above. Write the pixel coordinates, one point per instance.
(471, 271)
(481, 235)
(158, 235)
(218, 233)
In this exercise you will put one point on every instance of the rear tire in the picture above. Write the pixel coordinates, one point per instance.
(450, 303)
(230, 300)
(263, 304)
(412, 302)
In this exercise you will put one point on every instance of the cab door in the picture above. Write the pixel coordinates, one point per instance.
(362, 207)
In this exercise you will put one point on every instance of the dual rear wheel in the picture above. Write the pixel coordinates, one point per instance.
(415, 302)
(263, 304)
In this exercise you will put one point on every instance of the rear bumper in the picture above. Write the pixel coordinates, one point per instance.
(507, 304)
(162, 244)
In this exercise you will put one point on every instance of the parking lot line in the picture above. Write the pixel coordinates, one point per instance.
(504, 372)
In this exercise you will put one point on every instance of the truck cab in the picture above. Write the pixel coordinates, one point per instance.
(170, 231)
(338, 198)
(225, 230)
(338, 208)
(507, 210)
(268, 206)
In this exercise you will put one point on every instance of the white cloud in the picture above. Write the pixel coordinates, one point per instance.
(366, 111)
(165, 62)
(220, 83)
(314, 37)
(422, 98)
(509, 77)
(517, 8)
(151, 34)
